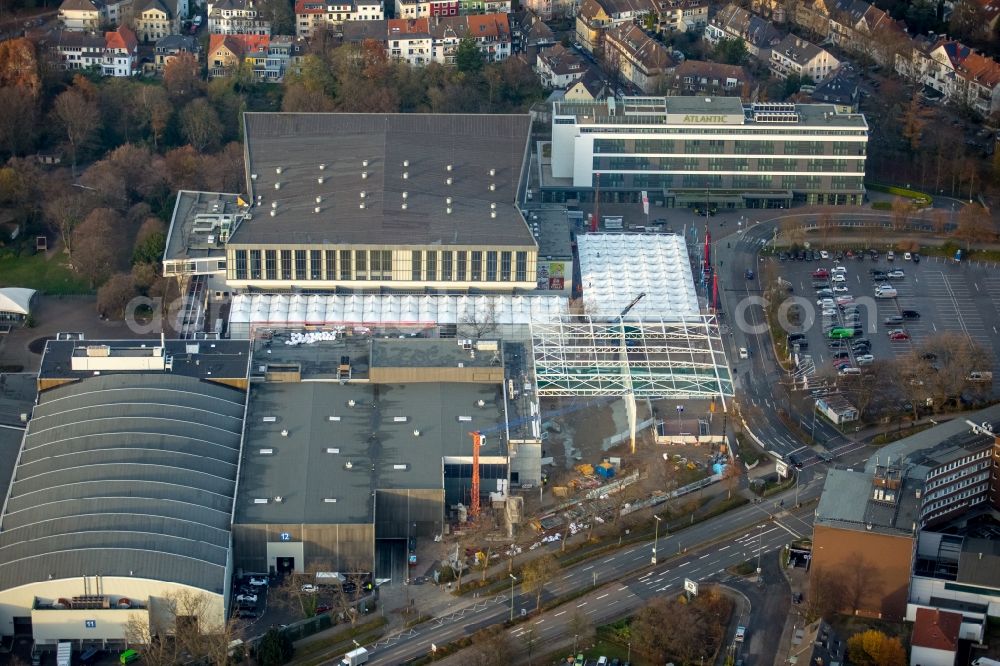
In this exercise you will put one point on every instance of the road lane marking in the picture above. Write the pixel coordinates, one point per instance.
(602, 596)
(607, 560)
(581, 605)
(559, 613)
(704, 556)
(683, 565)
(567, 576)
(723, 548)
(588, 568)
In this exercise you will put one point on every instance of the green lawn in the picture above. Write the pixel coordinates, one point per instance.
(48, 275)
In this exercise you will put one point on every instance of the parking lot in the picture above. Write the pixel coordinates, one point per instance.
(948, 297)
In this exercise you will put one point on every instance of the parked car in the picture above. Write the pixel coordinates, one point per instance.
(821, 273)
(893, 320)
(916, 257)
(907, 256)
(840, 270)
(838, 278)
(824, 254)
(748, 274)
(865, 359)
(890, 256)
(910, 314)
(310, 589)
(840, 332)
(258, 582)
(246, 598)
(897, 274)
(840, 288)
(899, 334)
(744, 352)
(842, 354)
(850, 370)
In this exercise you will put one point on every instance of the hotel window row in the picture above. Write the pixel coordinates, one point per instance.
(804, 146)
(769, 164)
(381, 265)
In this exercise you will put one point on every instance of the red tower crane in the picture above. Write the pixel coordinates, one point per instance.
(477, 440)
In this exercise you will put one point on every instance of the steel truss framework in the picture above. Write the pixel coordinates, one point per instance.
(580, 355)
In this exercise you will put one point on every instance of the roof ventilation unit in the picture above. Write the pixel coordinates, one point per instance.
(362, 194)
(348, 465)
(493, 187)
(449, 180)
(260, 500)
(364, 163)
(406, 195)
(320, 180)
(279, 499)
(364, 175)
(449, 167)
(447, 200)
(272, 213)
(493, 206)
(493, 172)
(319, 199)
(322, 167)
(361, 205)
(277, 185)
(317, 209)
(493, 213)
(330, 500)
(351, 402)
(267, 452)
(277, 170)
(284, 433)
(406, 163)
(416, 433)
(333, 450)
(480, 403)
(448, 210)
(404, 206)
(399, 419)
(253, 176)
(406, 175)
(269, 419)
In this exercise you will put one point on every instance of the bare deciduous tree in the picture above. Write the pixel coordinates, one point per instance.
(536, 574)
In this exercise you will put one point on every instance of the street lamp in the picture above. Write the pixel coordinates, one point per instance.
(656, 539)
(680, 410)
(512, 581)
(760, 547)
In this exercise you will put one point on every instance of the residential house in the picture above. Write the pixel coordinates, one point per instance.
(699, 77)
(816, 644)
(225, 53)
(529, 31)
(80, 15)
(539, 8)
(115, 53)
(588, 88)
(855, 26)
(796, 56)
(484, 6)
(558, 67)
(682, 15)
(114, 12)
(236, 17)
(310, 15)
(410, 41)
(426, 8)
(934, 641)
(121, 52)
(596, 16)
(840, 89)
(169, 47)
(359, 32)
(956, 71)
(734, 22)
(154, 19)
(642, 60)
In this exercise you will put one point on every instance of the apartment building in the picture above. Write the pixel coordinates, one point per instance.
(271, 58)
(734, 22)
(409, 9)
(681, 15)
(595, 17)
(410, 40)
(557, 66)
(236, 17)
(840, 89)
(961, 74)
(796, 56)
(311, 15)
(753, 155)
(642, 60)
(484, 6)
(855, 26)
(80, 15)
(699, 77)
(169, 47)
(154, 19)
(115, 53)
(529, 31)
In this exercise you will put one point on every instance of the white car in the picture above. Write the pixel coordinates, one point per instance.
(246, 598)
(844, 300)
(829, 313)
(865, 359)
(907, 256)
(839, 277)
(824, 254)
(258, 582)
(839, 270)
(825, 302)
(310, 589)
(840, 288)
(744, 353)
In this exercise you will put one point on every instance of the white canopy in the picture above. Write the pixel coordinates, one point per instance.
(16, 300)
(391, 309)
(615, 268)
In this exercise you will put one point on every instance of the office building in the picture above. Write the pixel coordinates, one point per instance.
(684, 150)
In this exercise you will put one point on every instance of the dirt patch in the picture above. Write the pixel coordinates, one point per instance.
(37, 346)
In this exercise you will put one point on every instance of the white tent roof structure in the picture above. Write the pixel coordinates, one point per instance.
(280, 310)
(16, 300)
(615, 268)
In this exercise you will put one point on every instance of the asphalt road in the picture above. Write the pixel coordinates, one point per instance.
(622, 581)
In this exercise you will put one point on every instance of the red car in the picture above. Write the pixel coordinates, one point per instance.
(821, 273)
(323, 609)
(899, 335)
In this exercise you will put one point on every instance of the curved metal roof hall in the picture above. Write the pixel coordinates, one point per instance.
(127, 475)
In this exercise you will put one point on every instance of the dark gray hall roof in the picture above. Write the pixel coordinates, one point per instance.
(125, 475)
(299, 143)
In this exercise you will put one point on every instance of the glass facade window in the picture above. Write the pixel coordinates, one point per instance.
(361, 264)
(505, 266)
(286, 264)
(254, 264)
(415, 265)
(446, 266)
(521, 267)
(330, 272)
(300, 264)
(315, 264)
(609, 145)
(461, 271)
(477, 266)
(345, 264)
(432, 268)
(386, 264)
(270, 265)
(241, 265)
(491, 266)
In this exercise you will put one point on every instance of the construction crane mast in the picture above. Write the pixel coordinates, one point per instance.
(477, 440)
